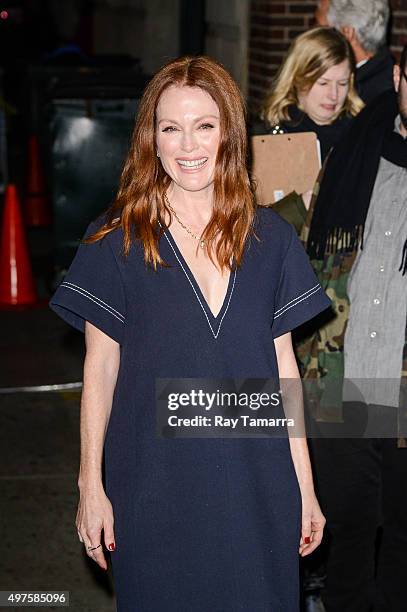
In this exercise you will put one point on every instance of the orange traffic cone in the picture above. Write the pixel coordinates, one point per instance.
(16, 280)
(36, 205)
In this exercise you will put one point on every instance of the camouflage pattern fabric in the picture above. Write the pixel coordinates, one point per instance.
(320, 355)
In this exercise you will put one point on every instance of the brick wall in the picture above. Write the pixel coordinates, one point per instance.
(274, 23)
(398, 35)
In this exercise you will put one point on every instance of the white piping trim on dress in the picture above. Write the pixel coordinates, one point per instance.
(197, 296)
(97, 301)
(94, 296)
(295, 299)
(297, 302)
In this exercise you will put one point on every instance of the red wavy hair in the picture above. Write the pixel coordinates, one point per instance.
(140, 203)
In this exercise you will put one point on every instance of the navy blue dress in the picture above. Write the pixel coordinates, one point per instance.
(201, 525)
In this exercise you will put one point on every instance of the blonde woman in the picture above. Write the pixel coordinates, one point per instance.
(314, 89)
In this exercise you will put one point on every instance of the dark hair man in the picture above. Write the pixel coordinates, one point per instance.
(356, 234)
(360, 216)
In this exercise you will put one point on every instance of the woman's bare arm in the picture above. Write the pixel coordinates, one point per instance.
(99, 380)
(313, 520)
(100, 374)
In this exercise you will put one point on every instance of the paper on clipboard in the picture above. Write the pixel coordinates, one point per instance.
(282, 163)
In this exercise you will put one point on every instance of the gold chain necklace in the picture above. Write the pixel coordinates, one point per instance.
(202, 241)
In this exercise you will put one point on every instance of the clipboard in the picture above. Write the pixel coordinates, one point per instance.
(282, 163)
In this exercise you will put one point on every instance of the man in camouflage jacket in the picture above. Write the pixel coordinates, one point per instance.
(321, 354)
(361, 480)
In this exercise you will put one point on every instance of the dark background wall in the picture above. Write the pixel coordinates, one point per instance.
(274, 23)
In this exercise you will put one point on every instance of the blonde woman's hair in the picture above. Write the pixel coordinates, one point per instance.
(311, 54)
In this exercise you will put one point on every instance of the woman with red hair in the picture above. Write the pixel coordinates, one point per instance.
(184, 279)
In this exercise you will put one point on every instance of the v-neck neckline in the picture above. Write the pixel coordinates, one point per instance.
(215, 323)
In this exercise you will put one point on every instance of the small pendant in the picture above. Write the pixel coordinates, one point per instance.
(202, 244)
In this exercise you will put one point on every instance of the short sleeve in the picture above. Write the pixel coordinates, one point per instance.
(300, 296)
(92, 289)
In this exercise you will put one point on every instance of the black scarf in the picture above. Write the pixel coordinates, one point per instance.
(328, 135)
(343, 202)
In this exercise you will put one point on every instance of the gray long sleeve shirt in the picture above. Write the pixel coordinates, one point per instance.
(374, 338)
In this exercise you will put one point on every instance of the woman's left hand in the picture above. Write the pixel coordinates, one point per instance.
(313, 522)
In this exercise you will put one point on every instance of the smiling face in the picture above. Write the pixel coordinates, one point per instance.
(187, 136)
(325, 100)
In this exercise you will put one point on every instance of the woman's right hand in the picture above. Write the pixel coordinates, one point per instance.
(95, 513)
